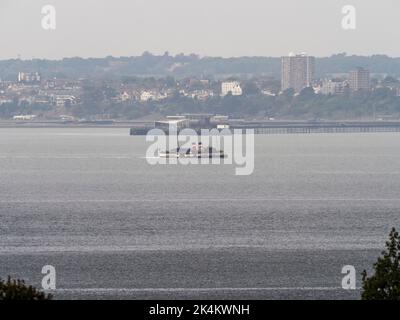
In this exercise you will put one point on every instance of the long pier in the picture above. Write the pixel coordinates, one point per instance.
(299, 127)
(296, 127)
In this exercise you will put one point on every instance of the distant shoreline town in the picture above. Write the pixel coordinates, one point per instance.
(293, 87)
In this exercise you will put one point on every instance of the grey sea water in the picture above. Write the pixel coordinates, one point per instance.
(87, 202)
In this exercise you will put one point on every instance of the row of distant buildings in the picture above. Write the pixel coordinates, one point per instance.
(31, 88)
(231, 87)
(298, 73)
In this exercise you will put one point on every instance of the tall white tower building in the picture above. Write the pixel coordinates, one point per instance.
(297, 71)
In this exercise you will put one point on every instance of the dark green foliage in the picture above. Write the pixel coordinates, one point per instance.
(385, 283)
(97, 101)
(18, 290)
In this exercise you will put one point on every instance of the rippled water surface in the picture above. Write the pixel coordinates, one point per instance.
(87, 202)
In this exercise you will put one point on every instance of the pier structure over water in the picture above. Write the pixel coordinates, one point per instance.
(304, 127)
(297, 127)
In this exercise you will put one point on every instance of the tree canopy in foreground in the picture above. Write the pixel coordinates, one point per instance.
(385, 283)
(18, 290)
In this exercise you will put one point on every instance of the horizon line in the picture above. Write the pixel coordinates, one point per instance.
(199, 56)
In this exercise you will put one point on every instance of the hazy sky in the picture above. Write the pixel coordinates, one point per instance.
(98, 28)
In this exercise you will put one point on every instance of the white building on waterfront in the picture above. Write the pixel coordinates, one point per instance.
(150, 95)
(233, 87)
(64, 100)
(332, 87)
(26, 117)
(29, 77)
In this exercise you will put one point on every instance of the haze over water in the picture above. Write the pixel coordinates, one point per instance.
(87, 202)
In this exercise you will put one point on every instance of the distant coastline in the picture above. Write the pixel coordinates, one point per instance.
(260, 127)
(63, 124)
